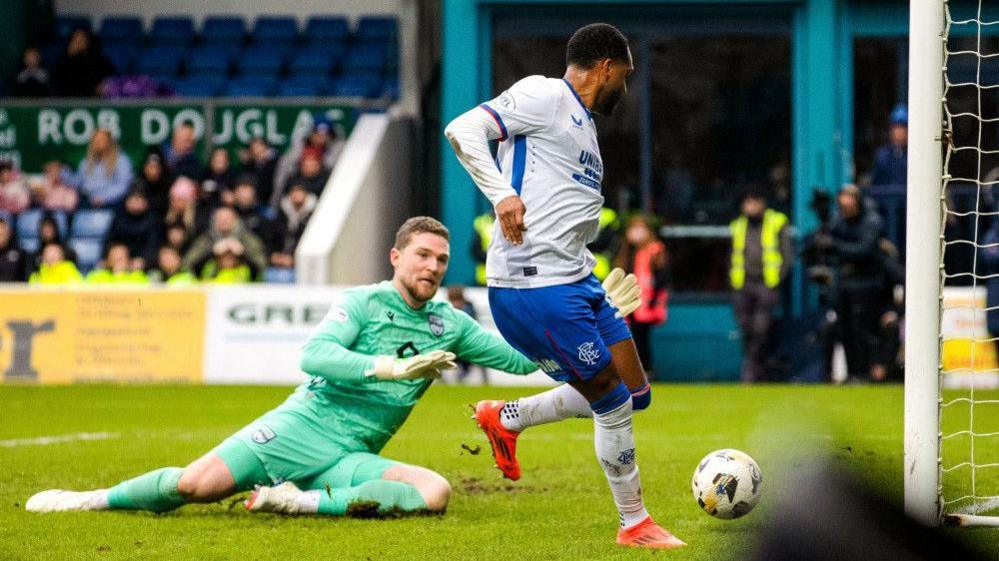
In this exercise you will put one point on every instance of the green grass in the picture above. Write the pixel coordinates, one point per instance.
(560, 509)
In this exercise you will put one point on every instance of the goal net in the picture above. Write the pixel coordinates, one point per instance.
(952, 314)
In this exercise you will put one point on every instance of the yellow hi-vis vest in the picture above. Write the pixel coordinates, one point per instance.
(483, 225)
(602, 268)
(773, 221)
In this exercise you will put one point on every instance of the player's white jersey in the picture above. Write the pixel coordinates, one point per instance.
(549, 154)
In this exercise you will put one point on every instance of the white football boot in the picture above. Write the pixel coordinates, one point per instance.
(58, 500)
(285, 498)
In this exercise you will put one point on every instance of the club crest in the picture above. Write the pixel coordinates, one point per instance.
(436, 324)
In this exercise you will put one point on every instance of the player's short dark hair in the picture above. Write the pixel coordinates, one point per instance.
(419, 225)
(595, 42)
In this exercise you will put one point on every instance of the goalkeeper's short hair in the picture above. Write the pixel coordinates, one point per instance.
(419, 225)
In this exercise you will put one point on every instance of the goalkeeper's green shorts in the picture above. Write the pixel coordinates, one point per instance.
(287, 445)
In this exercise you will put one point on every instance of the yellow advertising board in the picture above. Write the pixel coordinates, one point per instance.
(81, 335)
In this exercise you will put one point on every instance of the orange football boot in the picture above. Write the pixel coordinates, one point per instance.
(648, 534)
(502, 440)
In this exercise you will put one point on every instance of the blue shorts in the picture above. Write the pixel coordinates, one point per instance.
(566, 329)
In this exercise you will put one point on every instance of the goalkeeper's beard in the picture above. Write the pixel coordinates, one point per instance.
(421, 291)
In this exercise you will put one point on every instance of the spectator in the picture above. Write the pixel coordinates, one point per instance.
(13, 262)
(105, 173)
(296, 210)
(260, 160)
(854, 243)
(217, 178)
(762, 255)
(137, 227)
(184, 209)
(227, 267)
(312, 174)
(55, 191)
(117, 268)
(321, 140)
(608, 241)
(456, 296)
(644, 254)
(155, 181)
(180, 155)
(48, 233)
(890, 160)
(14, 195)
(54, 268)
(168, 270)
(32, 80)
(177, 238)
(81, 69)
(258, 219)
(226, 224)
(482, 236)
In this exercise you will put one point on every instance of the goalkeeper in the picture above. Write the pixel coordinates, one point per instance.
(372, 357)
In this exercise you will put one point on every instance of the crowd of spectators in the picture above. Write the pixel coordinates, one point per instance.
(176, 219)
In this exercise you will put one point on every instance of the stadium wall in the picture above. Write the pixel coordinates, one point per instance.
(248, 334)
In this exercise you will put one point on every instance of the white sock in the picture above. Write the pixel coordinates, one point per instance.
(562, 402)
(308, 501)
(100, 499)
(615, 446)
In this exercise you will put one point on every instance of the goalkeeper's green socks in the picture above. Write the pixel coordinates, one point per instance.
(376, 497)
(155, 491)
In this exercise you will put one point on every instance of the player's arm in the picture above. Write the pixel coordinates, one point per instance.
(478, 346)
(327, 353)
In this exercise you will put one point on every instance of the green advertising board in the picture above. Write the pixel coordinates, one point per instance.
(32, 134)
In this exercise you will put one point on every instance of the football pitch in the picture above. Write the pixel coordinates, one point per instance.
(560, 509)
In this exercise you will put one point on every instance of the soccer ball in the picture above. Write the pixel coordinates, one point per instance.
(727, 483)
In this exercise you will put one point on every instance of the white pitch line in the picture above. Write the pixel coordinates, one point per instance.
(45, 440)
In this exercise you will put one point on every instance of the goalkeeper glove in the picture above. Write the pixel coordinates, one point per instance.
(623, 292)
(425, 366)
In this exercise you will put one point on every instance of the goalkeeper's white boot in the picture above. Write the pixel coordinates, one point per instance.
(286, 498)
(58, 500)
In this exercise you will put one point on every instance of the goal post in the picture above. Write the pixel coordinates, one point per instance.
(924, 225)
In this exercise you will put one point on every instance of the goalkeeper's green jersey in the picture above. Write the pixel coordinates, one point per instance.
(375, 320)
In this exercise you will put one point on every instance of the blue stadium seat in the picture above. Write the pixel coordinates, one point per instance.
(279, 275)
(253, 86)
(88, 252)
(223, 30)
(364, 59)
(66, 25)
(30, 245)
(123, 30)
(324, 30)
(91, 223)
(313, 60)
(28, 221)
(161, 61)
(172, 30)
(209, 61)
(376, 28)
(260, 61)
(390, 88)
(52, 53)
(297, 87)
(275, 29)
(357, 86)
(199, 86)
(121, 57)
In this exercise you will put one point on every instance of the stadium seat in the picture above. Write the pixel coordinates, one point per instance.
(260, 61)
(160, 61)
(325, 30)
(253, 86)
(52, 53)
(88, 252)
(390, 88)
(210, 61)
(364, 59)
(223, 30)
(375, 28)
(66, 25)
(30, 245)
(357, 86)
(313, 60)
(121, 57)
(124, 30)
(91, 223)
(279, 275)
(28, 221)
(172, 30)
(295, 88)
(199, 86)
(275, 29)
